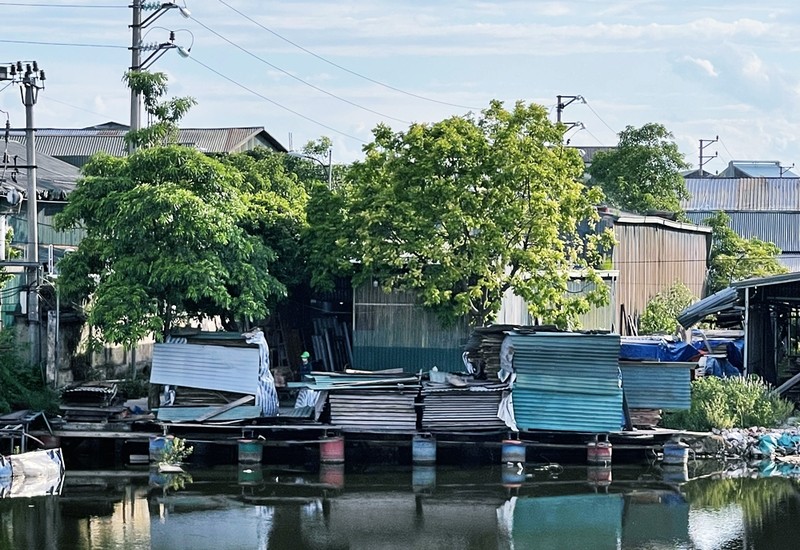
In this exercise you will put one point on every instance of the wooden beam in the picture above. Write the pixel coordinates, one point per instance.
(219, 410)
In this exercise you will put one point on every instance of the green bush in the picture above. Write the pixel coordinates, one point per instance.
(662, 310)
(21, 386)
(724, 403)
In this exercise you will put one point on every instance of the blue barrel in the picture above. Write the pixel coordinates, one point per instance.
(673, 473)
(676, 452)
(423, 449)
(158, 446)
(423, 478)
(250, 451)
(512, 451)
(512, 476)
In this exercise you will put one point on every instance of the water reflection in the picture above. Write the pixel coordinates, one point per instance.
(543, 506)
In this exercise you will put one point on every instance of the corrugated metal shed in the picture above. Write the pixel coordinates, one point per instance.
(207, 367)
(471, 408)
(742, 194)
(652, 254)
(391, 330)
(775, 227)
(657, 385)
(567, 382)
(189, 414)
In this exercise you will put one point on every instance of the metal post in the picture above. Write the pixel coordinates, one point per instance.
(330, 169)
(3, 231)
(746, 330)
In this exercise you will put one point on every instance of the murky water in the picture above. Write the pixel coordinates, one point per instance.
(421, 507)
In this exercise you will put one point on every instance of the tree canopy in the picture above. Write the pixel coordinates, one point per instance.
(460, 211)
(734, 258)
(643, 173)
(173, 234)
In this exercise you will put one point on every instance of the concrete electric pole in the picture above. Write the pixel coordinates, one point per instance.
(31, 80)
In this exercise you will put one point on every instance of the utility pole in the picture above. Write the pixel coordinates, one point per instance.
(136, 59)
(31, 80)
(703, 157)
(562, 102)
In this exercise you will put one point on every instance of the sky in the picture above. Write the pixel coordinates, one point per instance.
(303, 69)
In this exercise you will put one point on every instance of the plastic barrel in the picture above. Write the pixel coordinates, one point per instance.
(512, 476)
(598, 453)
(157, 446)
(674, 473)
(250, 451)
(331, 450)
(251, 476)
(332, 475)
(512, 451)
(599, 476)
(423, 449)
(676, 453)
(423, 478)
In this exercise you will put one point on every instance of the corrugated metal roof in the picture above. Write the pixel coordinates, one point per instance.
(68, 142)
(189, 414)
(55, 179)
(472, 408)
(742, 194)
(219, 368)
(720, 301)
(374, 410)
(757, 169)
(567, 382)
(654, 385)
(766, 281)
(776, 227)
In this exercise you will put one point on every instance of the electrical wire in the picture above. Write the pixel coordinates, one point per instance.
(340, 67)
(72, 44)
(50, 98)
(599, 117)
(265, 98)
(730, 156)
(25, 5)
(295, 77)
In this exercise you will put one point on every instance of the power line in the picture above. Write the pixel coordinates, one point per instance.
(731, 157)
(26, 5)
(50, 98)
(297, 78)
(345, 69)
(265, 98)
(73, 44)
(599, 117)
(594, 136)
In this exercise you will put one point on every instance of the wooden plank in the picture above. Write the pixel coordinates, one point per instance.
(222, 409)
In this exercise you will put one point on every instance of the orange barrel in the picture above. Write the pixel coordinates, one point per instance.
(599, 475)
(331, 450)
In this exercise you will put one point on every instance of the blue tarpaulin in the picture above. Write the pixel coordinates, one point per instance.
(674, 352)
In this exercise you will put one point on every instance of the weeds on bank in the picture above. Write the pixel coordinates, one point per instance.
(736, 402)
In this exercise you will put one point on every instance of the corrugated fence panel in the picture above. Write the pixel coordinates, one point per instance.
(657, 385)
(711, 194)
(374, 410)
(206, 367)
(567, 382)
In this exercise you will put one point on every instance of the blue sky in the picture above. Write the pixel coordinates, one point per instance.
(701, 68)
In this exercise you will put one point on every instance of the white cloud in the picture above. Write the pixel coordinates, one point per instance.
(754, 68)
(704, 64)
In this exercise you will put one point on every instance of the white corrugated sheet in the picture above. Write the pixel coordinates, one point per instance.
(219, 368)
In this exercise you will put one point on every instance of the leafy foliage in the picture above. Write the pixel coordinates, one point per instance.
(176, 451)
(758, 498)
(660, 315)
(21, 385)
(460, 211)
(167, 114)
(735, 402)
(734, 258)
(164, 242)
(643, 173)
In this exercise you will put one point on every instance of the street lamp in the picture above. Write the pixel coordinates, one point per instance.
(136, 43)
(327, 167)
(159, 49)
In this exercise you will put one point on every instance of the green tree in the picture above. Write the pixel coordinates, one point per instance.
(660, 314)
(460, 211)
(164, 242)
(169, 233)
(734, 258)
(643, 173)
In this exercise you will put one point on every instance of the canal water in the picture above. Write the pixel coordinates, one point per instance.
(705, 506)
